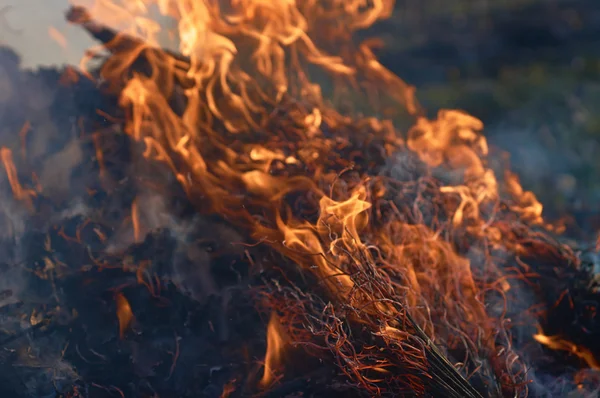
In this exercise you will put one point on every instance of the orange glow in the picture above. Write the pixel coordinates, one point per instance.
(254, 128)
(273, 358)
(19, 192)
(124, 314)
(135, 220)
(557, 343)
(228, 389)
(528, 205)
(99, 153)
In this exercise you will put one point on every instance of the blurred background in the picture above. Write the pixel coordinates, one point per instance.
(528, 68)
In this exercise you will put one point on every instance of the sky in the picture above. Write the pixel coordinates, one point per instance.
(25, 24)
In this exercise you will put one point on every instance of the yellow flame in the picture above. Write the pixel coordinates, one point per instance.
(275, 345)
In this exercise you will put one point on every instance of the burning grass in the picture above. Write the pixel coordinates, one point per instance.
(229, 191)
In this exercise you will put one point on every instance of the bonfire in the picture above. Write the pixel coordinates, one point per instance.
(268, 211)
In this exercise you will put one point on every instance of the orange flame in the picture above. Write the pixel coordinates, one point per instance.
(19, 192)
(135, 220)
(558, 343)
(241, 63)
(124, 314)
(276, 342)
(99, 154)
(228, 389)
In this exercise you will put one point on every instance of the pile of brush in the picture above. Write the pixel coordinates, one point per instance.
(119, 282)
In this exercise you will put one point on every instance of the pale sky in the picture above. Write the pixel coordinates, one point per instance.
(24, 26)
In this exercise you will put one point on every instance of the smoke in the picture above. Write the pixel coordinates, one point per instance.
(513, 308)
(550, 148)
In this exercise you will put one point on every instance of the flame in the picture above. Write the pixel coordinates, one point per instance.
(275, 345)
(135, 220)
(124, 314)
(228, 389)
(99, 154)
(20, 193)
(244, 126)
(558, 343)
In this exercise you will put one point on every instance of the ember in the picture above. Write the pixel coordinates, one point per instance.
(250, 175)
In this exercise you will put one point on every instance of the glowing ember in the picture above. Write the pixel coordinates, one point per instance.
(135, 221)
(228, 389)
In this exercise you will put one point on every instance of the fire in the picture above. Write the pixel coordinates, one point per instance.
(124, 314)
(245, 58)
(135, 221)
(392, 251)
(558, 343)
(23, 194)
(228, 389)
(275, 347)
